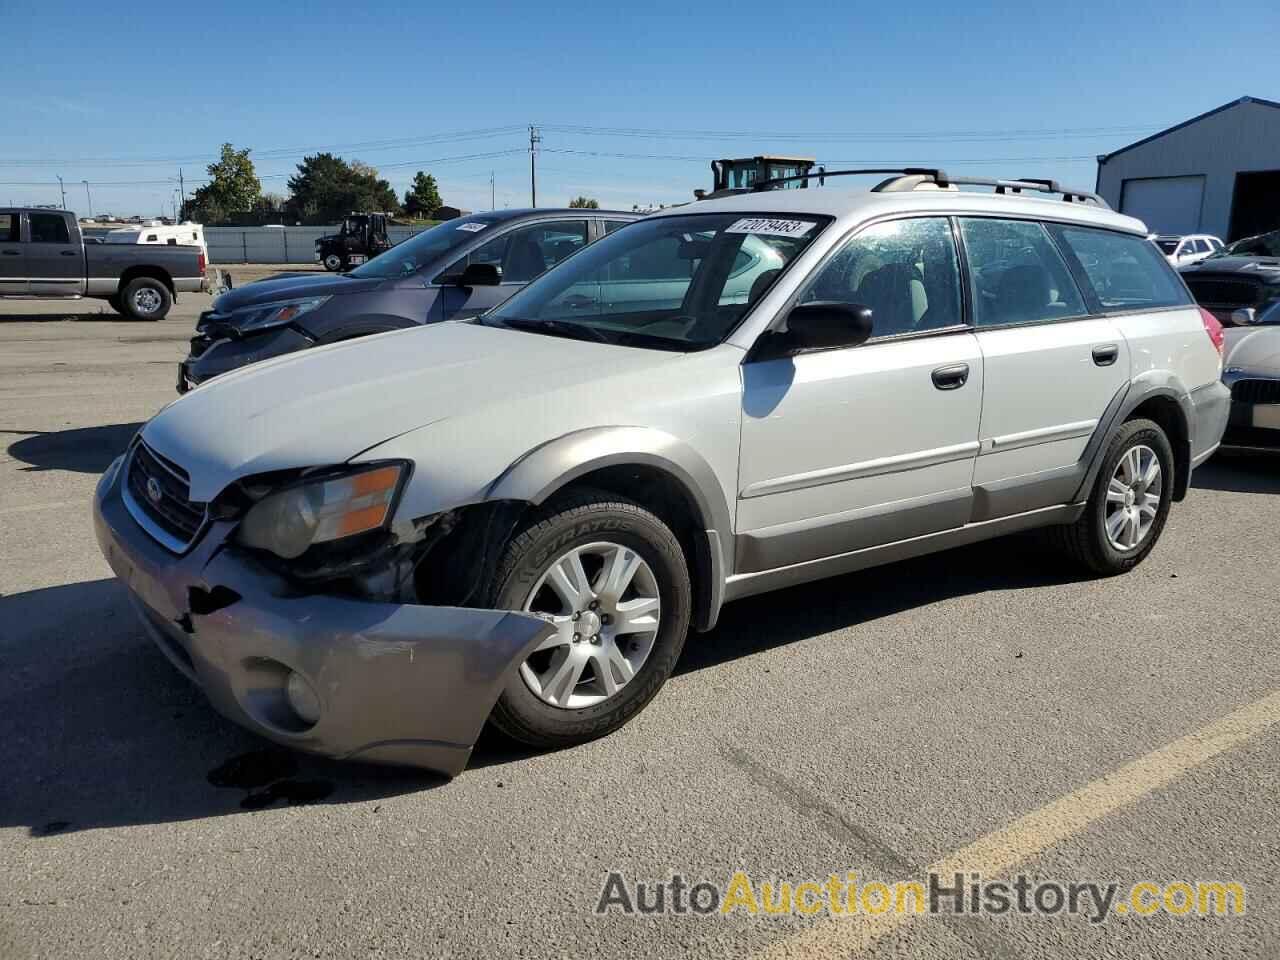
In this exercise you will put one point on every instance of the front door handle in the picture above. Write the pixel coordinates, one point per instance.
(68, 253)
(13, 253)
(1106, 354)
(579, 302)
(951, 377)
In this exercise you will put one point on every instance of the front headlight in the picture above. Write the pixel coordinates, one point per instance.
(290, 521)
(266, 315)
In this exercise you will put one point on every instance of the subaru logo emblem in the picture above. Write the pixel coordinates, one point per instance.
(154, 492)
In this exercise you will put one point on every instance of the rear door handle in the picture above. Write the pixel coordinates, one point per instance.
(951, 377)
(578, 302)
(13, 253)
(1106, 354)
(68, 253)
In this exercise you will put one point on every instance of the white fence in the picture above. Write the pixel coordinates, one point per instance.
(276, 244)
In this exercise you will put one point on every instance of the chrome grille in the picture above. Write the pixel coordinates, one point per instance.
(160, 500)
(1256, 391)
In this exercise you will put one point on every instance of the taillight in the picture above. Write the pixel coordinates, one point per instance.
(1214, 329)
(200, 261)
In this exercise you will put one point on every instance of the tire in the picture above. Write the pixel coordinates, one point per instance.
(1087, 541)
(333, 262)
(591, 520)
(145, 298)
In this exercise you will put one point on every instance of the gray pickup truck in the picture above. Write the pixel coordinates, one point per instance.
(44, 256)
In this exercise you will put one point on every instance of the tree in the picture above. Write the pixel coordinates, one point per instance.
(585, 203)
(422, 199)
(233, 187)
(326, 188)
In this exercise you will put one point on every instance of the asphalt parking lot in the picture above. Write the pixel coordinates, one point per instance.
(986, 709)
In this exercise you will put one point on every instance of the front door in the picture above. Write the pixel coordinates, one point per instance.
(1051, 368)
(55, 261)
(850, 448)
(13, 261)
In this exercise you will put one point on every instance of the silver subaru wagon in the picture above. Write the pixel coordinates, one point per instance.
(372, 549)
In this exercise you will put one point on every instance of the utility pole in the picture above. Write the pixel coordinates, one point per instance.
(534, 139)
(492, 205)
(64, 192)
(182, 189)
(88, 198)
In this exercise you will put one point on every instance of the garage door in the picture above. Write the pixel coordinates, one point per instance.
(1165, 204)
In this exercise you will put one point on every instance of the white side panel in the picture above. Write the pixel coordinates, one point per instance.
(1044, 394)
(1170, 342)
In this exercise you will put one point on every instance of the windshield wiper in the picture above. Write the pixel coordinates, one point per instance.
(557, 328)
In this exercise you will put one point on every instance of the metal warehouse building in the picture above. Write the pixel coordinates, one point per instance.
(1216, 173)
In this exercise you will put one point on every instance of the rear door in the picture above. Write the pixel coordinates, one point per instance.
(1051, 366)
(55, 260)
(13, 269)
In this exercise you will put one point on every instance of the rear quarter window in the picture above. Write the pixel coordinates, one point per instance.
(1125, 272)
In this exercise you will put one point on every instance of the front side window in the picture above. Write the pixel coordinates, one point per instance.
(1125, 273)
(423, 249)
(680, 282)
(1017, 274)
(527, 252)
(48, 228)
(906, 271)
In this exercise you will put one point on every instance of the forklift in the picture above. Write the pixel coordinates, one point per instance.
(739, 175)
(362, 235)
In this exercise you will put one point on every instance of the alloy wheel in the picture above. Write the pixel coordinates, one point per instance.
(1133, 498)
(604, 602)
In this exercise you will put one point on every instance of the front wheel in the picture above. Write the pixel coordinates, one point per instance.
(1129, 504)
(612, 578)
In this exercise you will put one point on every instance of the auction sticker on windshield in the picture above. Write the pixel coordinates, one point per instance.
(771, 227)
(472, 227)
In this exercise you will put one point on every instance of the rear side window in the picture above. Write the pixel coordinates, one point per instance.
(612, 225)
(1125, 272)
(9, 228)
(1017, 274)
(48, 228)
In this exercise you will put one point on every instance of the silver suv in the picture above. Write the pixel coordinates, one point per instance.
(373, 548)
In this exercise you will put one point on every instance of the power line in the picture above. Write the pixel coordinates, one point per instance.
(953, 136)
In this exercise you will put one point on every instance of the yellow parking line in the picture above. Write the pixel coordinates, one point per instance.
(1032, 834)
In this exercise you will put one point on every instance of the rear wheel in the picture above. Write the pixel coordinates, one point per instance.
(333, 263)
(145, 298)
(612, 578)
(1129, 503)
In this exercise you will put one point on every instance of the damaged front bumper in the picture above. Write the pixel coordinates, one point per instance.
(382, 682)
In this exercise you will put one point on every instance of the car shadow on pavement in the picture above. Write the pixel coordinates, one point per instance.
(81, 450)
(100, 316)
(776, 619)
(1239, 473)
(101, 731)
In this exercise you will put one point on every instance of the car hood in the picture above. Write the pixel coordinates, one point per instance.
(1262, 266)
(326, 405)
(1253, 349)
(289, 287)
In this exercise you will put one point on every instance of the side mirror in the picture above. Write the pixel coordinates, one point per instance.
(826, 324)
(479, 275)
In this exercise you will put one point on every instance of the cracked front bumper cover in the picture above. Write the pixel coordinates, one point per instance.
(396, 682)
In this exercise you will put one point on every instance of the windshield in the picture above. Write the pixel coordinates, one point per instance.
(422, 249)
(1167, 246)
(677, 283)
(1266, 245)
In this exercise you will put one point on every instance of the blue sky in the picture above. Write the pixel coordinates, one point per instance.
(634, 101)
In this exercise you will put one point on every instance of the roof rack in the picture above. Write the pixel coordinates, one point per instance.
(906, 179)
